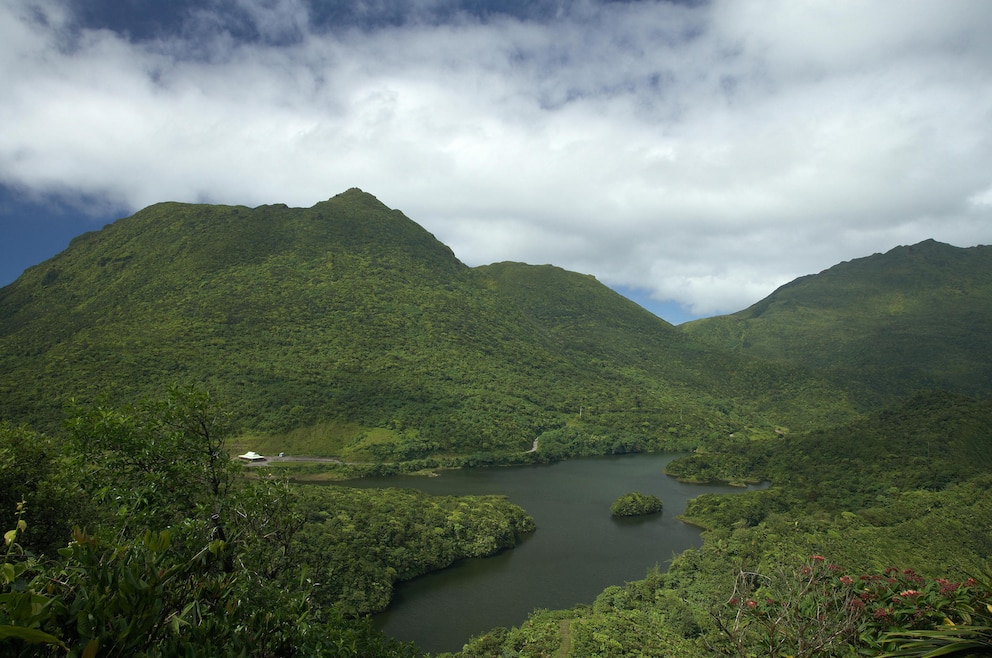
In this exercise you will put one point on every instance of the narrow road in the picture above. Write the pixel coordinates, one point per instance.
(566, 638)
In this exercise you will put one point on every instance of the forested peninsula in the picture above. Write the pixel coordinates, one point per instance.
(137, 364)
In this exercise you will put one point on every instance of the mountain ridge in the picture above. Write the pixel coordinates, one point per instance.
(352, 320)
(907, 320)
(350, 316)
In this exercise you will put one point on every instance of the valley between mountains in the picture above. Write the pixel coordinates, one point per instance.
(137, 362)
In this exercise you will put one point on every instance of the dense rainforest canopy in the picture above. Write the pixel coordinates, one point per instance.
(137, 362)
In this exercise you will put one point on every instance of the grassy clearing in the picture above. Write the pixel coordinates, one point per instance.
(328, 439)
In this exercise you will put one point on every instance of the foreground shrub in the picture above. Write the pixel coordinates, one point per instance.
(819, 610)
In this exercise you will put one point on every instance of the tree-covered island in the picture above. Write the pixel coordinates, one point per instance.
(636, 504)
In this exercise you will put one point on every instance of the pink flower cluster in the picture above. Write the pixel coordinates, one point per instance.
(862, 606)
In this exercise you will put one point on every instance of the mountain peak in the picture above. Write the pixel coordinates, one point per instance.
(929, 248)
(353, 195)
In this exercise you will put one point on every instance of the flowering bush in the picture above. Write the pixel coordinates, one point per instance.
(818, 610)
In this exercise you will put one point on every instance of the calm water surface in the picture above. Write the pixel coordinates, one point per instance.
(577, 551)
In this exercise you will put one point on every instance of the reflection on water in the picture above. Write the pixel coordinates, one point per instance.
(578, 549)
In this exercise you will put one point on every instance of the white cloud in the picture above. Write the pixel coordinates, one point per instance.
(706, 154)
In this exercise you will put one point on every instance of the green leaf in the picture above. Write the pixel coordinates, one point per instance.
(91, 648)
(31, 635)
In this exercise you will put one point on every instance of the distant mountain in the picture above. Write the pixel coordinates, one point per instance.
(350, 324)
(915, 318)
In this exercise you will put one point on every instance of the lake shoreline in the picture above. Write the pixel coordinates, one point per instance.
(570, 503)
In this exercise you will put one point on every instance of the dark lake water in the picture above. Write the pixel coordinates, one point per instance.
(577, 551)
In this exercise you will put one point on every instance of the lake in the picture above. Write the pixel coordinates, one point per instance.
(577, 550)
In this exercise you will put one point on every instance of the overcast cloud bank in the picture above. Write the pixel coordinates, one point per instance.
(707, 153)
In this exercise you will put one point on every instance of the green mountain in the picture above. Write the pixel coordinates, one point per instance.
(349, 329)
(915, 318)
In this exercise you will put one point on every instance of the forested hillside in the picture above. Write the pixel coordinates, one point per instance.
(351, 326)
(915, 318)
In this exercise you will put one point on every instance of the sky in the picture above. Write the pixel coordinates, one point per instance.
(692, 155)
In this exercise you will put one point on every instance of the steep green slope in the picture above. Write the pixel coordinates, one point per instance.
(678, 374)
(344, 310)
(914, 318)
(350, 323)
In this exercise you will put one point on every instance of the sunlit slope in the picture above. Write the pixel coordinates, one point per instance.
(349, 314)
(914, 318)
